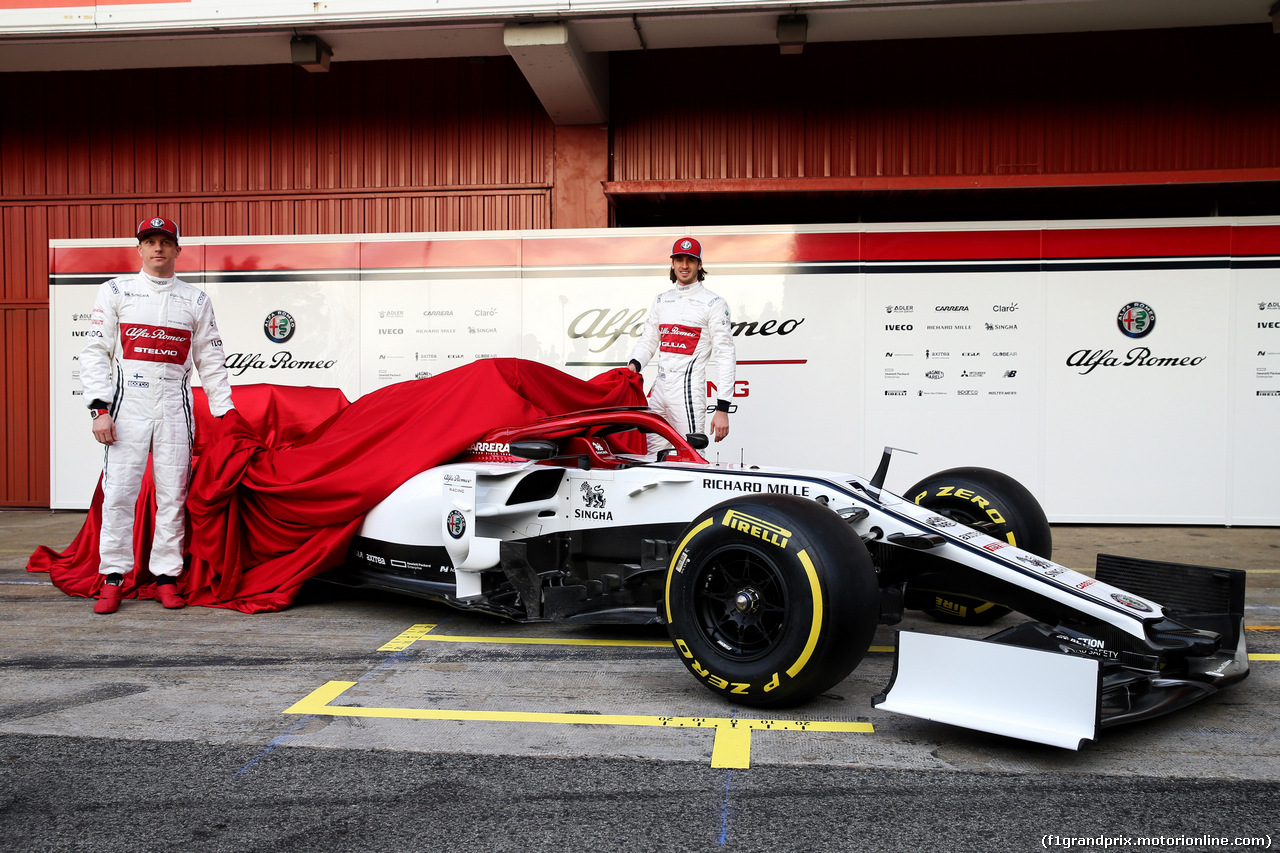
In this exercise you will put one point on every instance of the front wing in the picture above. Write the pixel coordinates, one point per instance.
(1058, 686)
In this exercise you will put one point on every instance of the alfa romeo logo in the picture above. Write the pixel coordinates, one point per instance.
(157, 223)
(1136, 320)
(457, 524)
(279, 326)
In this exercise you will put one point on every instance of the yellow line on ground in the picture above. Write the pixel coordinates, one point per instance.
(423, 632)
(406, 638)
(415, 633)
(732, 746)
(548, 641)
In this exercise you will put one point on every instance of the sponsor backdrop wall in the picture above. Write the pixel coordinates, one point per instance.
(1126, 372)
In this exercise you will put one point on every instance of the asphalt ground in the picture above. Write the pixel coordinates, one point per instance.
(354, 722)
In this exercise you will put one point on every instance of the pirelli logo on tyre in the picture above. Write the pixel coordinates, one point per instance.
(980, 502)
(741, 688)
(759, 528)
(776, 623)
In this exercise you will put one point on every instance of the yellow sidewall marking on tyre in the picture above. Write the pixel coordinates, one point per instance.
(732, 747)
(815, 627)
(676, 557)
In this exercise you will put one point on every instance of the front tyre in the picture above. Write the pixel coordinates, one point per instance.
(989, 501)
(771, 600)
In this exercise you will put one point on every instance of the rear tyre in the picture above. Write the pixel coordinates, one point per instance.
(771, 600)
(989, 501)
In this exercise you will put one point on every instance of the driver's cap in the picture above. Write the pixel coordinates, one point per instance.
(158, 225)
(687, 246)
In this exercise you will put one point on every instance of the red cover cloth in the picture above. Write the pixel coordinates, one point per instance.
(282, 483)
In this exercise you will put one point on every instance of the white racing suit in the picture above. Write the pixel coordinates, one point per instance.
(146, 335)
(686, 327)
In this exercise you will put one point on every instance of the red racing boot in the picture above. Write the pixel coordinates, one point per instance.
(167, 594)
(109, 598)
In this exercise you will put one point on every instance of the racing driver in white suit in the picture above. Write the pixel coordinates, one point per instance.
(688, 326)
(147, 332)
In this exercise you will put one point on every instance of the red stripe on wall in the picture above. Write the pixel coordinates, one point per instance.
(1256, 240)
(282, 256)
(777, 248)
(1138, 242)
(414, 254)
(953, 245)
(114, 260)
(772, 247)
(718, 249)
(62, 4)
(621, 250)
(832, 247)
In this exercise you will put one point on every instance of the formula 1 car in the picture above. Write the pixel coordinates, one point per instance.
(771, 582)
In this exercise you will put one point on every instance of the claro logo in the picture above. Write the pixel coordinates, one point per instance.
(608, 325)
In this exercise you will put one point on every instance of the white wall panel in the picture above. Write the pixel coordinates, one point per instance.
(1017, 363)
(1134, 438)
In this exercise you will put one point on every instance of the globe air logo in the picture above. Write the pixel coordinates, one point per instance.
(1130, 601)
(279, 326)
(1136, 320)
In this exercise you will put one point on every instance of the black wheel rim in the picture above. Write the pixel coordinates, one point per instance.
(740, 603)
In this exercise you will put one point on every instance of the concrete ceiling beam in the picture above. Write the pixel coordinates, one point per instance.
(572, 85)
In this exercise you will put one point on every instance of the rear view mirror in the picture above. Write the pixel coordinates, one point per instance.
(535, 448)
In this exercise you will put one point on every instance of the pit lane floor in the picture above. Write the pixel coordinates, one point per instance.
(341, 705)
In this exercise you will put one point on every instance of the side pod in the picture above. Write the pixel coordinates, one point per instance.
(1034, 695)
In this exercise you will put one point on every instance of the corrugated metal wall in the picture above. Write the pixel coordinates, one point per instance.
(24, 389)
(275, 150)
(440, 145)
(425, 145)
(1060, 104)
